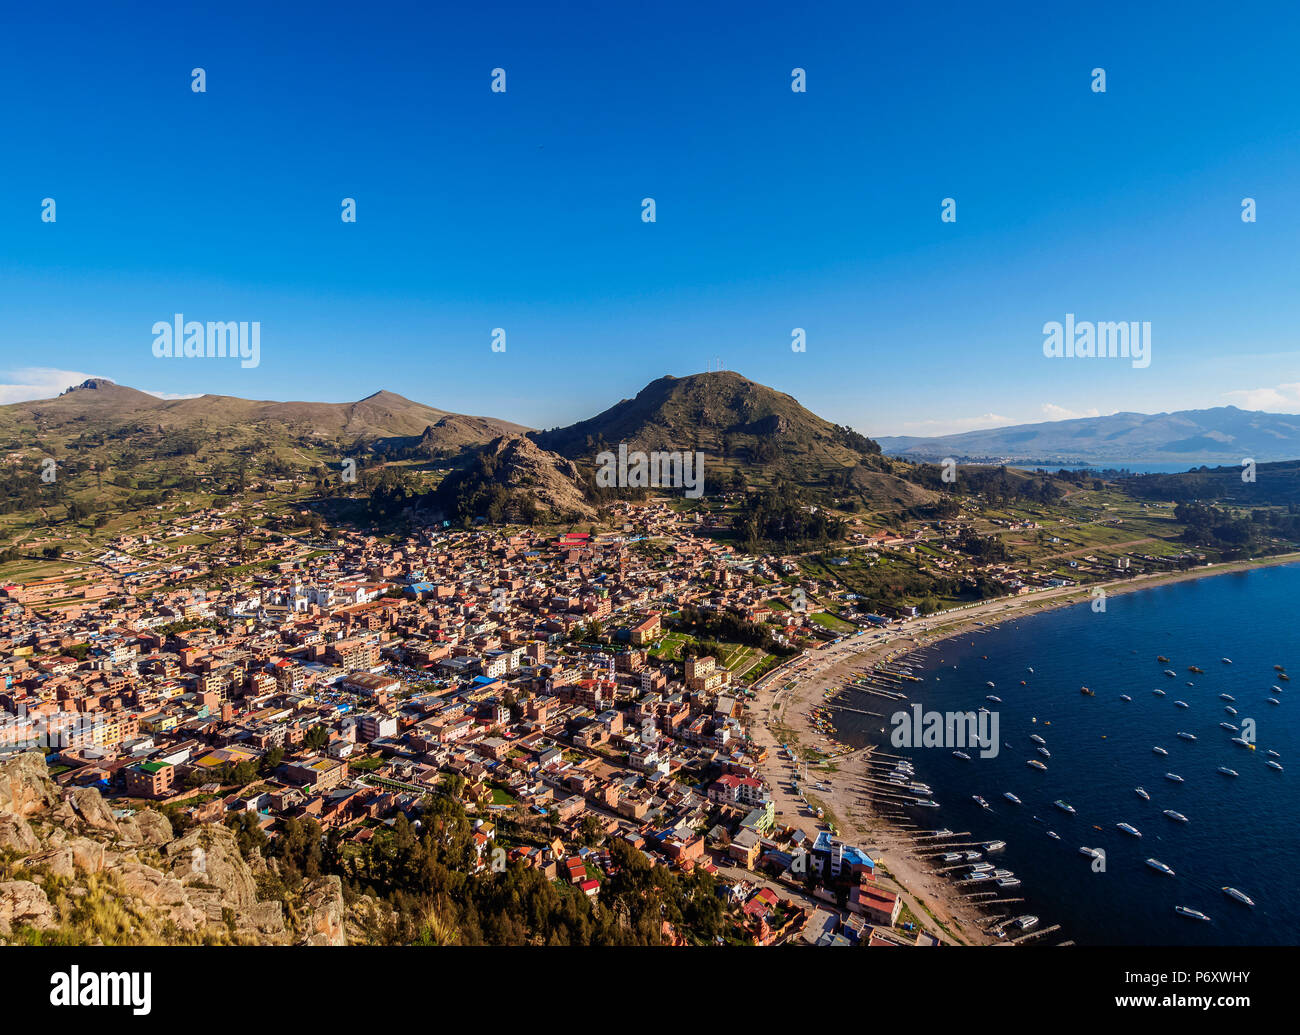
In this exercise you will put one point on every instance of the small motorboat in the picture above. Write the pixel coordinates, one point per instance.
(1141, 793)
(1011, 798)
(1240, 896)
(1160, 867)
(1125, 697)
(1227, 772)
(1036, 738)
(1008, 882)
(1086, 692)
(1188, 911)
(1174, 777)
(962, 755)
(1171, 673)
(994, 846)
(1272, 764)
(1240, 742)
(1226, 661)
(1091, 853)
(994, 699)
(1054, 835)
(1160, 751)
(1033, 762)
(1186, 736)
(1064, 806)
(1044, 752)
(1226, 697)
(1181, 704)
(1230, 710)
(1129, 829)
(1177, 817)
(1158, 693)
(1228, 726)
(980, 801)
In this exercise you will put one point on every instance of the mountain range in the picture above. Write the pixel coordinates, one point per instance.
(1222, 435)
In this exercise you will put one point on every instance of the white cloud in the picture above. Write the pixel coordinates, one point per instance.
(46, 382)
(956, 425)
(1050, 411)
(39, 383)
(1284, 398)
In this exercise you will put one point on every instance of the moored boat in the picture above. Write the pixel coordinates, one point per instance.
(1240, 896)
(1141, 793)
(1160, 867)
(1177, 817)
(1129, 829)
(1174, 777)
(1228, 772)
(1188, 911)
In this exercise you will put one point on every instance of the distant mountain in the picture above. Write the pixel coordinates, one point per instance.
(1222, 435)
(99, 403)
(742, 428)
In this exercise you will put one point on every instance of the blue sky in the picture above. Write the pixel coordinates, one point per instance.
(775, 210)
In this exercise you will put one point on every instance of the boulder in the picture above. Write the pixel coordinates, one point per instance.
(23, 904)
(16, 834)
(323, 903)
(25, 785)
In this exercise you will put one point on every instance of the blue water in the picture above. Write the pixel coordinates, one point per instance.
(1243, 832)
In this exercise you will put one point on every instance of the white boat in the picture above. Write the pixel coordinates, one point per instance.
(1157, 865)
(980, 801)
(1240, 741)
(1240, 896)
(1227, 726)
(1011, 797)
(1276, 689)
(1158, 693)
(952, 857)
(1141, 793)
(1230, 710)
(1036, 764)
(1044, 752)
(1174, 776)
(1272, 754)
(1186, 736)
(1091, 853)
(1008, 882)
(1025, 922)
(1228, 772)
(925, 803)
(1037, 739)
(1003, 873)
(1125, 697)
(1177, 817)
(1171, 673)
(1226, 697)
(993, 698)
(995, 846)
(1188, 911)
(1226, 661)
(1160, 751)
(1130, 829)
(1181, 704)
(989, 684)
(962, 755)
(981, 867)
(1054, 835)
(972, 856)
(1273, 765)
(1064, 806)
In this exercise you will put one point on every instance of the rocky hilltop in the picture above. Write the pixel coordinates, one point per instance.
(72, 872)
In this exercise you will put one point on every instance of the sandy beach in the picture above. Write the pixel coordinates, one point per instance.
(782, 713)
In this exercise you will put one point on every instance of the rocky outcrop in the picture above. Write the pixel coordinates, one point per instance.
(325, 913)
(82, 872)
(23, 904)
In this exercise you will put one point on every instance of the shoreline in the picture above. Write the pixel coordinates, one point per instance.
(781, 713)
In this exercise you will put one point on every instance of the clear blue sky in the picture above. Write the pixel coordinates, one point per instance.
(775, 210)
